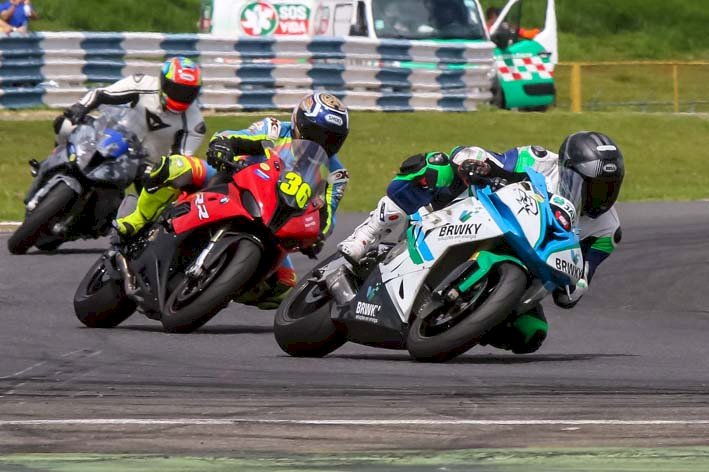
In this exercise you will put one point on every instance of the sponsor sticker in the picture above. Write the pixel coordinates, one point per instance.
(265, 166)
(606, 147)
(450, 231)
(610, 168)
(261, 18)
(568, 268)
(334, 119)
(367, 312)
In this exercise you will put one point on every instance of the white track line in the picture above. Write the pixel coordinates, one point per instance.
(342, 422)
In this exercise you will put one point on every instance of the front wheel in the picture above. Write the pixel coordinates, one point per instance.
(438, 334)
(191, 303)
(56, 202)
(99, 301)
(302, 326)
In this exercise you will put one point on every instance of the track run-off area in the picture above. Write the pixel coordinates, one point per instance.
(625, 371)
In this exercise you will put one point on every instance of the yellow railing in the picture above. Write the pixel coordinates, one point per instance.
(650, 85)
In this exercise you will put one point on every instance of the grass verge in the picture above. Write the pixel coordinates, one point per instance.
(662, 151)
(687, 459)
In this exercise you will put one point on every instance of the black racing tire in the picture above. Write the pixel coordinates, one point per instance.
(100, 301)
(229, 278)
(57, 201)
(501, 300)
(303, 326)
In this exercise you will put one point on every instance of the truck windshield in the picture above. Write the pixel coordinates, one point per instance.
(427, 19)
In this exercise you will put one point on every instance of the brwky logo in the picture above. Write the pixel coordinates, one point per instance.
(451, 230)
(367, 312)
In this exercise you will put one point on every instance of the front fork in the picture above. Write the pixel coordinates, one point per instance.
(196, 270)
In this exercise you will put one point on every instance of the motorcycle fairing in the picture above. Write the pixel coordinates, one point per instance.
(526, 221)
(208, 207)
(371, 317)
(432, 236)
(152, 268)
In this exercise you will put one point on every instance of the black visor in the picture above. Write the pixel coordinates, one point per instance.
(179, 92)
(329, 140)
(599, 197)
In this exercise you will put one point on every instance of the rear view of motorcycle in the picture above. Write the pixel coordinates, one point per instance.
(210, 246)
(77, 190)
(459, 272)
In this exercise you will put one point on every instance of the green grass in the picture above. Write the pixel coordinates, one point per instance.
(602, 30)
(637, 87)
(677, 459)
(662, 150)
(165, 16)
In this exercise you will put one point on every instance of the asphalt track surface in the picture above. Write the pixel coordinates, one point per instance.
(628, 367)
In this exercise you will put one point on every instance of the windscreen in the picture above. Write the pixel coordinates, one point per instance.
(305, 172)
(427, 19)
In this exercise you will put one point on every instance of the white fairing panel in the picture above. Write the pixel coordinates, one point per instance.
(524, 205)
(459, 223)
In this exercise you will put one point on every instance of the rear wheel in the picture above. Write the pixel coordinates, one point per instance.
(192, 303)
(302, 326)
(38, 221)
(100, 301)
(440, 333)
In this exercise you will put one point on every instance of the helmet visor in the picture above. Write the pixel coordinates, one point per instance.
(571, 185)
(328, 139)
(180, 92)
(600, 197)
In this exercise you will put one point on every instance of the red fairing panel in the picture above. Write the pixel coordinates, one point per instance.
(261, 180)
(209, 207)
(305, 227)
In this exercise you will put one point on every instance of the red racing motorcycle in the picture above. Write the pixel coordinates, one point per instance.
(210, 246)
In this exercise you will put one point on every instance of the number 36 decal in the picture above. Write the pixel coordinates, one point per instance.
(294, 186)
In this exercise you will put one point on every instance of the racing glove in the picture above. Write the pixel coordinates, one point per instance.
(76, 113)
(314, 249)
(220, 153)
(477, 172)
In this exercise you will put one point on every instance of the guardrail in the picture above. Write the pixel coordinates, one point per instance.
(56, 69)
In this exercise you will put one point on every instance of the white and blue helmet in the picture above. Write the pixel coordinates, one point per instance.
(322, 118)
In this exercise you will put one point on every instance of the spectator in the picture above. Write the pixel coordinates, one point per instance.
(491, 15)
(16, 15)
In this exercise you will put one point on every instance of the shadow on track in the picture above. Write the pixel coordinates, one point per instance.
(487, 359)
(216, 329)
(56, 252)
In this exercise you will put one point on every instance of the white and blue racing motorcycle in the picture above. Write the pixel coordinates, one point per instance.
(460, 272)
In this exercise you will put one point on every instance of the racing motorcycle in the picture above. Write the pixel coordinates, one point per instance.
(77, 190)
(210, 246)
(459, 272)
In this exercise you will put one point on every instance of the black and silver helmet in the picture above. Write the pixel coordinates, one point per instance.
(591, 171)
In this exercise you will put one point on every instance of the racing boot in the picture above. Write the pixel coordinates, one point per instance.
(149, 206)
(269, 294)
(523, 334)
(160, 187)
(378, 224)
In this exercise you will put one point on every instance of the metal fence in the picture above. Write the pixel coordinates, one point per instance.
(667, 86)
(55, 69)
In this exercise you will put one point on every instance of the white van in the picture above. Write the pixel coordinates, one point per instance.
(524, 62)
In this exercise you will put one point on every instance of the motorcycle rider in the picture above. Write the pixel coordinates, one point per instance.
(319, 117)
(173, 122)
(589, 167)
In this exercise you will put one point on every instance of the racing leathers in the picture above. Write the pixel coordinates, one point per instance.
(432, 179)
(163, 132)
(178, 173)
